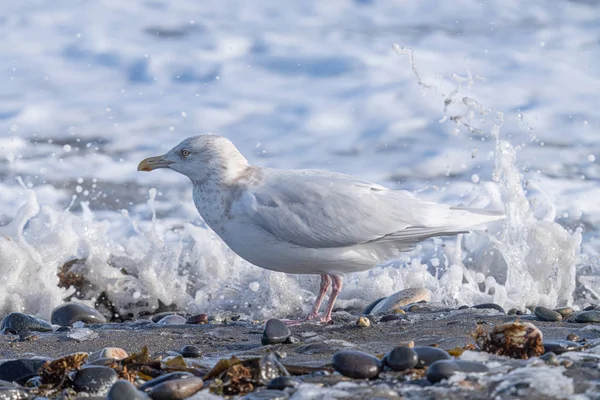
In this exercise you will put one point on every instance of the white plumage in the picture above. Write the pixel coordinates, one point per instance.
(307, 221)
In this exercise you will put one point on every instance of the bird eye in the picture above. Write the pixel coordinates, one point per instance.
(185, 152)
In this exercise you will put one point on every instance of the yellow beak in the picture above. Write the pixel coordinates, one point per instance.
(151, 163)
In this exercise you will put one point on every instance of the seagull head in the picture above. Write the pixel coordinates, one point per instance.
(201, 158)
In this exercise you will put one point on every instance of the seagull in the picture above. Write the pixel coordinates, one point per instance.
(307, 221)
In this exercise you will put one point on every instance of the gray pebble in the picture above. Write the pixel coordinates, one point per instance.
(275, 332)
(69, 313)
(560, 346)
(17, 322)
(282, 382)
(428, 355)
(487, 306)
(444, 369)
(123, 390)
(546, 314)
(550, 358)
(588, 316)
(166, 377)
(94, 379)
(191, 351)
(267, 394)
(392, 317)
(401, 358)
(367, 310)
(20, 370)
(158, 316)
(173, 319)
(356, 364)
(176, 389)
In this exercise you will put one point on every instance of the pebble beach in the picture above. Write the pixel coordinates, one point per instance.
(404, 350)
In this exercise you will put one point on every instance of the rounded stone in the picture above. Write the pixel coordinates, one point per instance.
(283, 382)
(565, 311)
(428, 355)
(400, 299)
(444, 369)
(356, 364)
(546, 314)
(166, 377)
(588, 316)
(20, 370)
(560, 346)
(158, 316)
(176, 389)
(275, 332)
(573, 337)
(123, 390)
(267, 394)
(369, 308)
(198, 319)
(112, 353)
(69, 313)
(18, 322)
(172, 319)
(191, 351)
(488, 306)
(94, 379)
(392, 317)
(401, 358)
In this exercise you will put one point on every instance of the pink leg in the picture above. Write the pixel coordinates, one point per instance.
(335, 291)
(314, 313)
(325, 283)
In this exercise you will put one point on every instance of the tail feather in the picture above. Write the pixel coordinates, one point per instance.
(463, 220)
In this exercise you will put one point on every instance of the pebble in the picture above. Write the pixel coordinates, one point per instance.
(176, 389)
(588, 316)
(513, 311)
(166, 377)
(198, 319)
(592, 307)
(573, 337)
(17, 322)
(267, 394)
(356, 364)
(94, 379)
(275, 332)
(428, 355)
(172, 319)
(550, 358)
(363, 322)
(493, 306)
(369, 308)
(560, 346)
(158, 316)
(27, 336)
(123, 390)
(546, 314)
(282, 382)
(444, 369)
(191, 351)
(401, 298)
(564, 311)
(69, 313)
(391, 317)
(401, 358)
(20, 370)
(112, 353)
